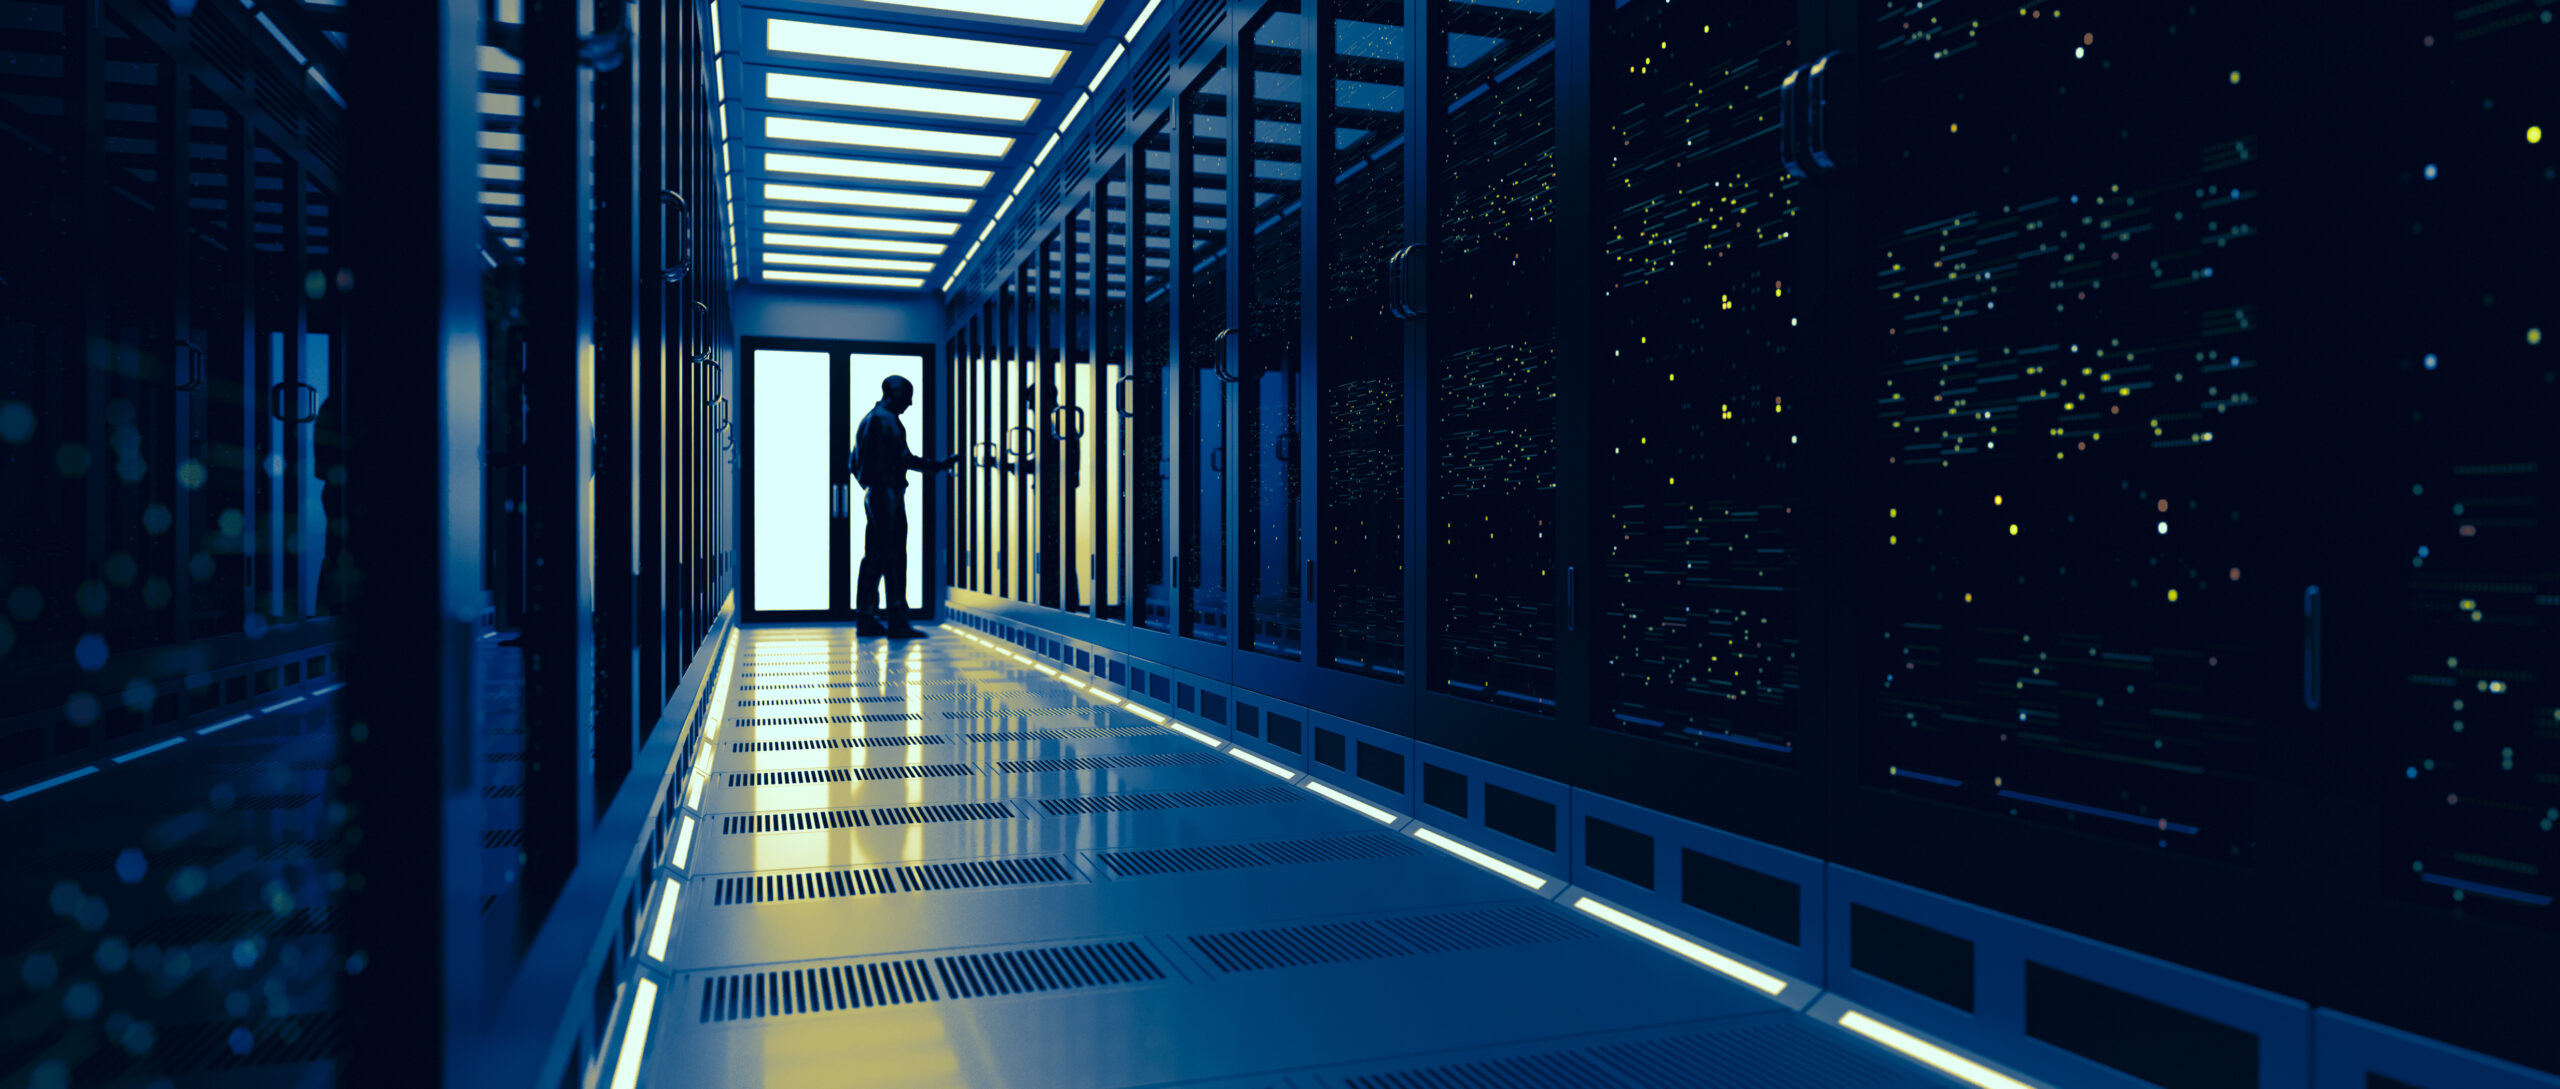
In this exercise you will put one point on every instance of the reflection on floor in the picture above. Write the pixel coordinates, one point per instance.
(932, 863)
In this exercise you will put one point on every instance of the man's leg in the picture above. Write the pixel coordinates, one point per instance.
(866, 597)
(893, 560)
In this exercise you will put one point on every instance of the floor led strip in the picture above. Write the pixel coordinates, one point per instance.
(1750, 976)
(48, 784)
(1929, 1054)
(1459, 848)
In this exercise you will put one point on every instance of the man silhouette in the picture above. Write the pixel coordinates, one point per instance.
(880, 464)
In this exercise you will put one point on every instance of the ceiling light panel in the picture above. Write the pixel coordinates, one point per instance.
(782, 162)
(821, 260)
(866, 94)
(1061, 12)
(932, 51)
(866, 198)
(843, 278)
(855, 135)
(777, 217)
(866, 245)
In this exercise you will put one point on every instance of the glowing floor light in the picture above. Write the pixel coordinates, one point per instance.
(635, 1035)
(1750, 976)
(1928, 1054)
(1526, 878)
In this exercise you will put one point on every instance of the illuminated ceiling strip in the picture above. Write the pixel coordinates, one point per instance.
(784, 162)
(1131, 35)
(908, 98)
(841, 278)
(784, 217)
(859, 135)
(870, 198)
(928, 50)
(1064, 12)
(1108, 63)
(821, 260)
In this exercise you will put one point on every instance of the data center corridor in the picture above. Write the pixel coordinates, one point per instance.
(941, 862)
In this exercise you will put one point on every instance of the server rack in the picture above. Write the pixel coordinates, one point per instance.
(1782, 272)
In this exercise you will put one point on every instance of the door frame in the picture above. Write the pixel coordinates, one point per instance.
(929, 401)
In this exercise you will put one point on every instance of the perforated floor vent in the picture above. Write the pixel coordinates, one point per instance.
(940, 876)
(829, 699)
(1562, 1070)
(1032, 712)
(1180, 799)
(1771, 1055)
(1369, 939)
(787, 992)
(1060, 735)
(890, 742)
(1161, 860)
(810, 686)
(824, 720)
(1119, 760)
(847, 775)
(749, 823)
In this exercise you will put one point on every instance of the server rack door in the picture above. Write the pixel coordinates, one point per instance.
(1112, 412)
(1203, 368)
(1699, 597)
(1079, 556)
(1360, 358)
(1004, 402)
(1270, 136)
(1023, 400)
(986, 458)
(1152, 462)
(1051, 401)
(1491, 376)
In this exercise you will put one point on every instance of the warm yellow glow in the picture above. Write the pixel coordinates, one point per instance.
(1750, 976)
(635, 1034)
(665, 925)
(1256, 761)
(1929, 1054)
(1347, 801)
(1526, 878)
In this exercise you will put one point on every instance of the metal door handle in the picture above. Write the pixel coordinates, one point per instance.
(1284, 447)
(1217, 459)
(1226, 344)
(195, 366)
(677, 272)
(722, 404)
(707, 360)
(275, 402)
(1121, 387)
(1078, 417)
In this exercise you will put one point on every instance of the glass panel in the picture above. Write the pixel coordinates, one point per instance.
(1049, 403)
(1022, 402)
(1083, 474)
(1701, 556)
(863, 375)
(1152, 464)
(2050, 347)
(1492, 376)
(1360, 434)
(1203, 392)
(1110, 416)
(1268, 414)
(794, 470)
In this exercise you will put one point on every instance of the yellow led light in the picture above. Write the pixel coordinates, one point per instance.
(1748, 975)
(1346, 801)
(684, 843)
(1929, 1054)
(1266, 765)
(665, 925)
(1526, 878)
(635, 1034)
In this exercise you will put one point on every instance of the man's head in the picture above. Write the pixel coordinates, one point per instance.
(897, 393)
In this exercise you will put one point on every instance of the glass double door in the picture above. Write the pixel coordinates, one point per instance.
(805, 512)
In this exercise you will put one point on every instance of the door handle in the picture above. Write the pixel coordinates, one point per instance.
(1121, 388)
(1078, 417)
(195, 366)
(1227, 344)
(275, 402)
(1217, 459)
(1284, 447)
(684, 267)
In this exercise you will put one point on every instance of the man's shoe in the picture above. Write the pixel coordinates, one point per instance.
(868, 625)
(905, 631)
